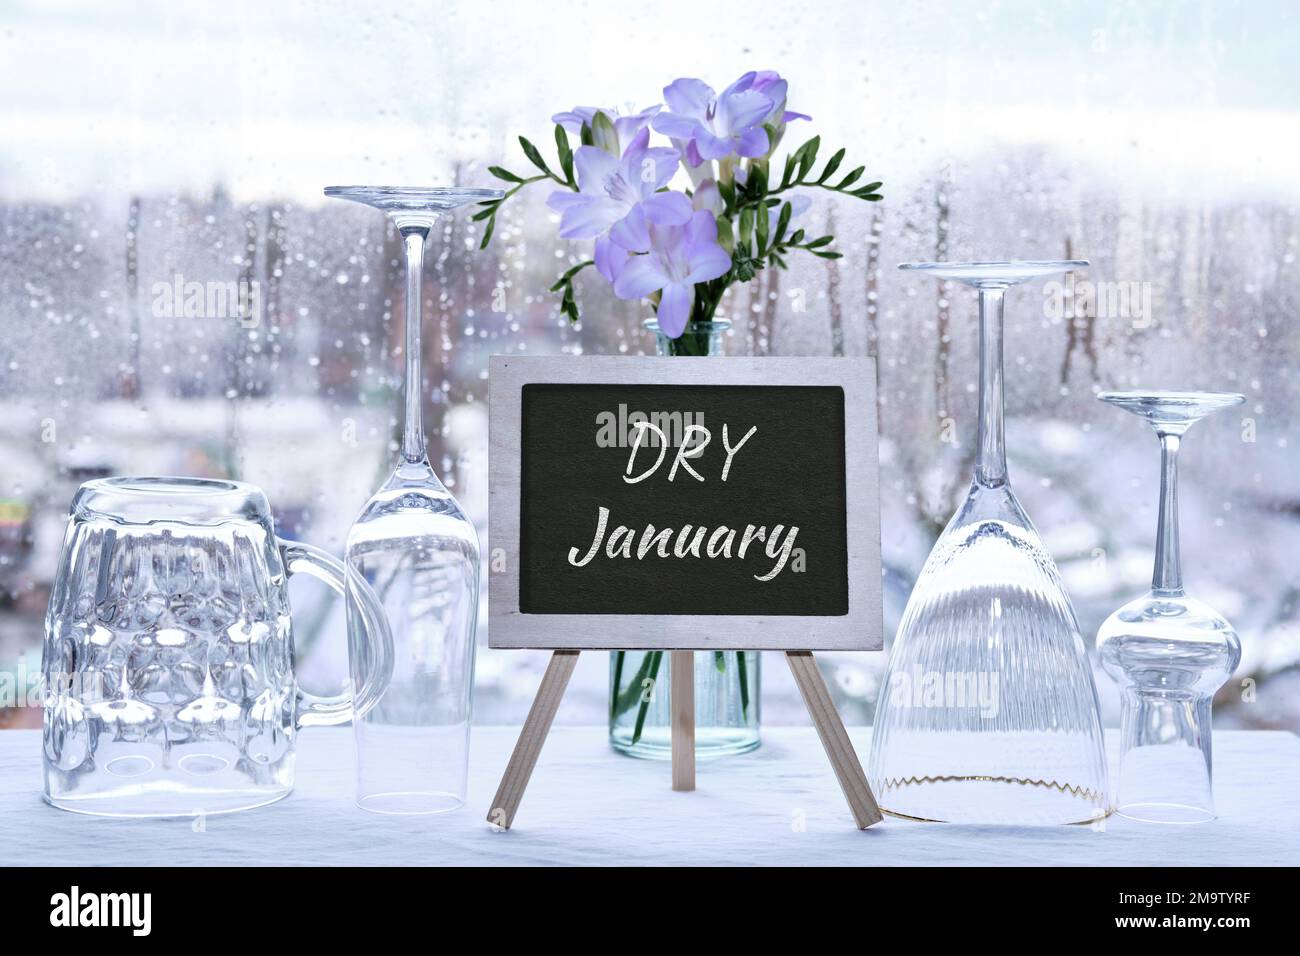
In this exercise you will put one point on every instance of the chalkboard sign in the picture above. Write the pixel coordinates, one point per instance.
(705, 503)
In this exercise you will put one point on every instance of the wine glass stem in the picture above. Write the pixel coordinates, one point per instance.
(1168, 576)
(991, 456)
(413, 435)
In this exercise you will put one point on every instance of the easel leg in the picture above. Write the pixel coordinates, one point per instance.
(683, 691)
(835, 739)
(515, 780)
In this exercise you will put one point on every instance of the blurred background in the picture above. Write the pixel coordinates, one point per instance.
(148, 144)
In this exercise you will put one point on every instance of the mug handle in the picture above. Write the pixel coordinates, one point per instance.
(315, 710)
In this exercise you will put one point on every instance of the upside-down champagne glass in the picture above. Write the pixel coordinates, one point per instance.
(988, 713)
(414, 546)
(1168, 652)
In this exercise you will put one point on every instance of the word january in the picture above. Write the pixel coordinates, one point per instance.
(691, 540)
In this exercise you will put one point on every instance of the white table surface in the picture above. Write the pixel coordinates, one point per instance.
(588, 805)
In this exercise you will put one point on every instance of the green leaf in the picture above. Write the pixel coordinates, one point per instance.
(502, 173)
(728, 191)
(746, 226)
(485, 213)
(534, 156)
(565, 153)
(783, 222)
(585, 136)
(832, 165)
(819, 242)
(761, 230)
(852, 177)
(569, 274)
(797, 237)
(487, 233)
(788, 172)
(826, 255)
(568, 306)
(726, 238)
(809, 151)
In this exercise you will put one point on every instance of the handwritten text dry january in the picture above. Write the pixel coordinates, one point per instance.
(696, 541)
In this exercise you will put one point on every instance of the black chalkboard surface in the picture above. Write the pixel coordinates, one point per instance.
(683, 503)
(613, 521)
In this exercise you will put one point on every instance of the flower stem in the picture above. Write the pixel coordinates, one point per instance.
(655, 659)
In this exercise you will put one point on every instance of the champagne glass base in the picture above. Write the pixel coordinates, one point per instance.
(996, 275)
(1168, 813)
(1019, 802)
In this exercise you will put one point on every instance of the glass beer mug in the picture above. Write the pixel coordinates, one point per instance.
(169, 686)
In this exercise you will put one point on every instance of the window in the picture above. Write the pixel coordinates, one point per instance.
(151, 147)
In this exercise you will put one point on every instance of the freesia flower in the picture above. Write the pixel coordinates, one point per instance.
(610, 258)
(678, 257)
(626, 126)
(770, 84)
(714, 126)
(609, 189)
(708, 197)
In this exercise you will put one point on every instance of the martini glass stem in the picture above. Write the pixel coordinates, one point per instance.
(413, 238)
(1168, 576)
(991, 457)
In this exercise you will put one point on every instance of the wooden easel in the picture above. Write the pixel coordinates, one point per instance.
(812, 687)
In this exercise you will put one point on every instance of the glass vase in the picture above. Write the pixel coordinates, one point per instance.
(726, 682)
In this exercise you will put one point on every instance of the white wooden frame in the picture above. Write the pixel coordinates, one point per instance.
(861, 629)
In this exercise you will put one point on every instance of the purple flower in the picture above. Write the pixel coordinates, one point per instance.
(678, 256)
(708, 197)
(625, 126)
(610, 258)
(610, 189)
(770, 84)
(714, 126)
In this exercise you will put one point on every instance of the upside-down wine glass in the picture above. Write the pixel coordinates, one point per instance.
(1168, 652)
(414, 546)
(988, 712)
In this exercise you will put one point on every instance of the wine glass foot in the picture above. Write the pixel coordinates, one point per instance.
(996, 275)
(414, 198)
(1172, 412)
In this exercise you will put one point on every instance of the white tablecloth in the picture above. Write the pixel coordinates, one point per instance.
(588, 805)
